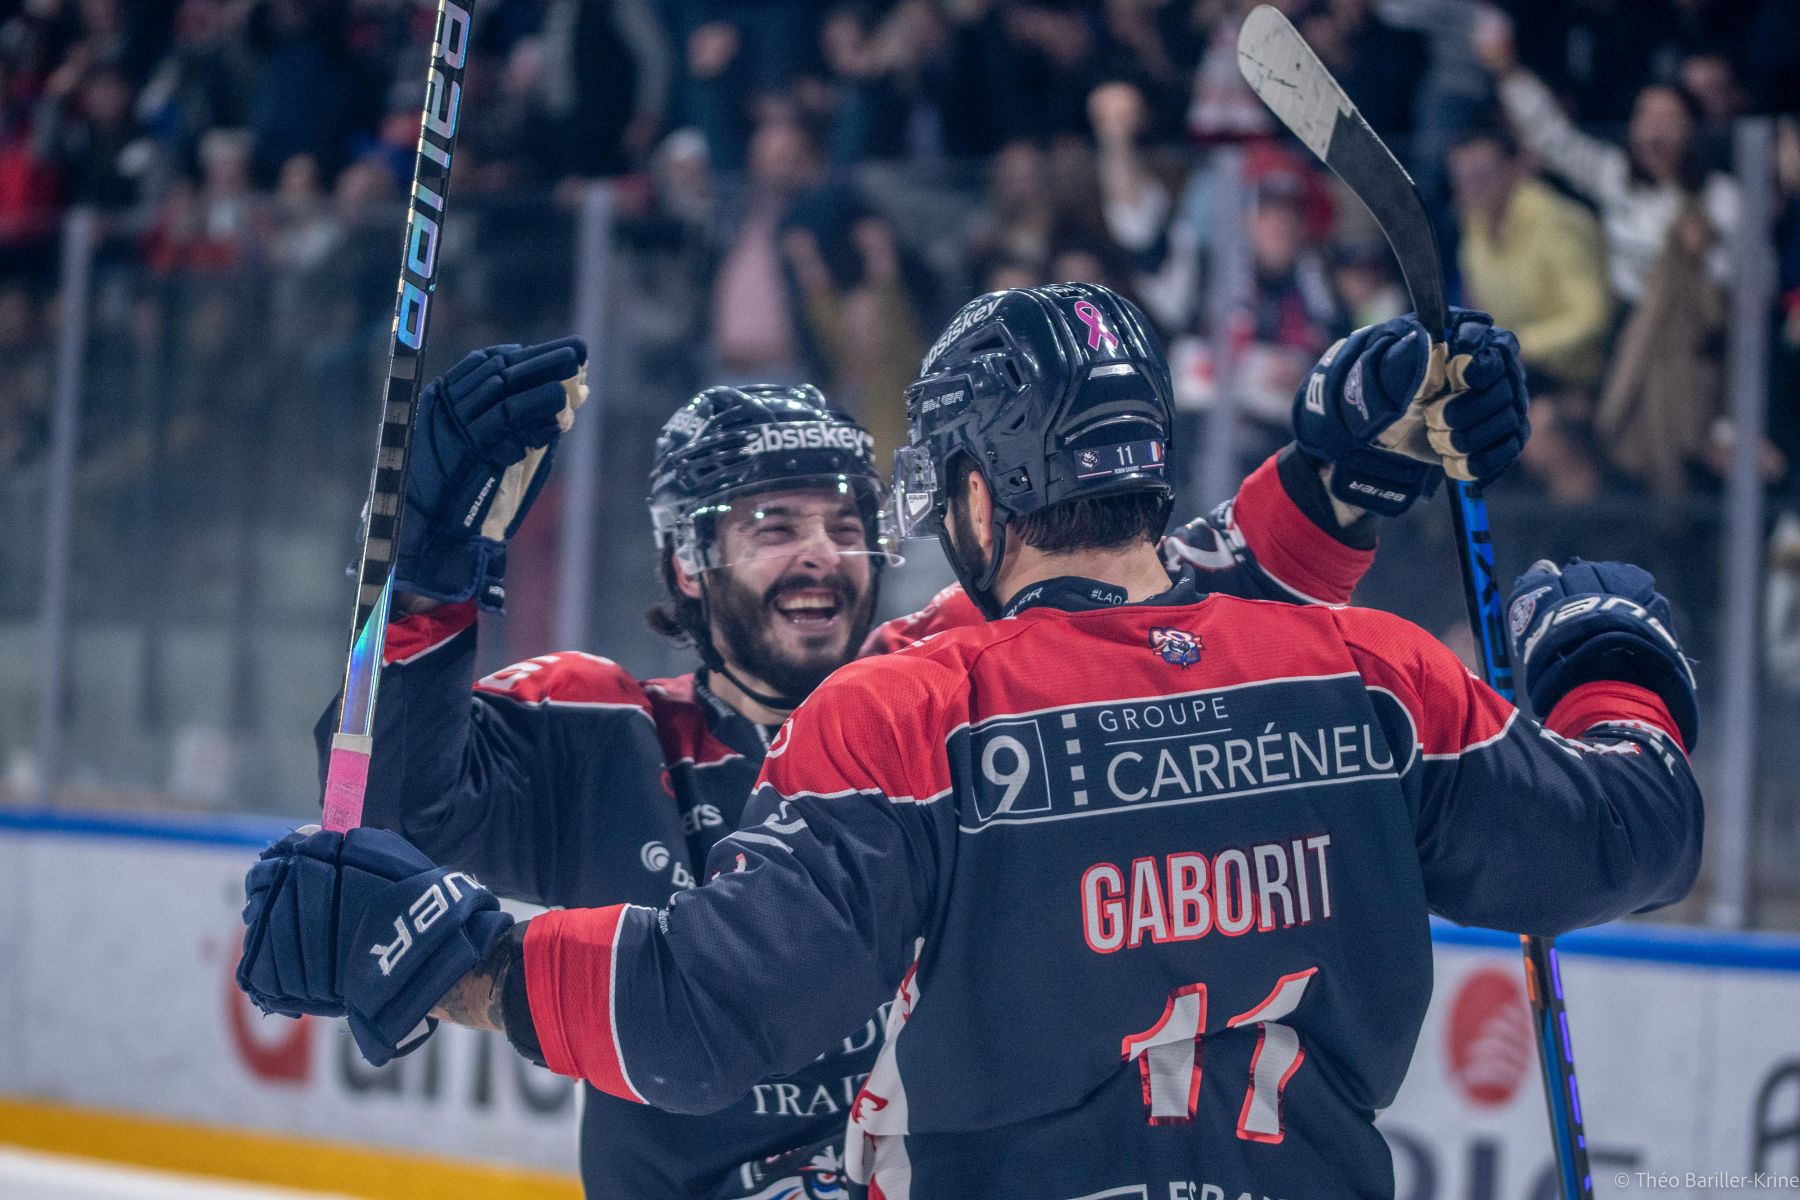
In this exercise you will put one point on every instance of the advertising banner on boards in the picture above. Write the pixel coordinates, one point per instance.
(118, 995)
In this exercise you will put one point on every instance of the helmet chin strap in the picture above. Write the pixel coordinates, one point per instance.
(980, 587)
(767, 699)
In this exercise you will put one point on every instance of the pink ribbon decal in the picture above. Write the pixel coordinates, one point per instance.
(1090, 316)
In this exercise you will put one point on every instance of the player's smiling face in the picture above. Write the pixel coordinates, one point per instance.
(796, 596)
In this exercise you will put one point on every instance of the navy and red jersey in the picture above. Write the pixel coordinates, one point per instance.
(1146, 885)
(565, 781)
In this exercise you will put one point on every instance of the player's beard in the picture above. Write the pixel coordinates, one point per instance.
(746, 624)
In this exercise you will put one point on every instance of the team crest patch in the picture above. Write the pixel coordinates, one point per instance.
(1523, 609)
(1177, 647)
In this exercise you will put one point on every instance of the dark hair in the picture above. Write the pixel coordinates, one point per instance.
(677, 616)
(1089, 523)
(1693, 170)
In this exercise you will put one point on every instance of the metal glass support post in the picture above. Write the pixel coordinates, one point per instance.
(65, 435)
(582, 448)
(1740, 570)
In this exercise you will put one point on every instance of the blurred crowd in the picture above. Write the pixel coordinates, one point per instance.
(820, 181)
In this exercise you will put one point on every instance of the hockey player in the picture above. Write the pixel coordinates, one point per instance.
(486, 794)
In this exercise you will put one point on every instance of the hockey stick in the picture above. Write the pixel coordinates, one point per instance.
(1282, 69)
(347, 775)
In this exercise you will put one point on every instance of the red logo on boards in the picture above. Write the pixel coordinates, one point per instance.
(1490, 1037)
(275, 1049)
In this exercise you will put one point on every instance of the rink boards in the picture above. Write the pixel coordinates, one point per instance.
(122, 1036)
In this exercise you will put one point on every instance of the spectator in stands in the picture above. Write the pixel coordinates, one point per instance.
(1018, 216)
(878, 57)
(1223, 107)
(1380, 66)
(1363, 276)
(84, 125)
(741, 56)
(1711, 79)
(1596, 54)
(1772, 57)
(202, 83)
(1287, 319)
(1669, 222)
(25, 377)
(1535, 260)
(869, 332)
(757, 327)
(1640, 187)
(309, 94)
(604, 86)
(1784, 375)
(304, 235)
(1015, 69)
(1155, 46)
(1294, 314)
(29, 198)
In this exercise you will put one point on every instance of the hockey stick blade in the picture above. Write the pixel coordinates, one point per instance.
(347, 771)
(1287, 76)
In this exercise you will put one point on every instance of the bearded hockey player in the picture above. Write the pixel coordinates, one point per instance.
(918, 835)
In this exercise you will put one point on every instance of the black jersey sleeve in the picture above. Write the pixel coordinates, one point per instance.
(1533, 828)
(542, 778)
(813, 909)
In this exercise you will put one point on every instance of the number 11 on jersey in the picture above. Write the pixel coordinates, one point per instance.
(1168, 1055)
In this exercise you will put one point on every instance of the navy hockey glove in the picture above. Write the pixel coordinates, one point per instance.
(1591, 621)
(363, 925)
(482, 443)
(1388, 414)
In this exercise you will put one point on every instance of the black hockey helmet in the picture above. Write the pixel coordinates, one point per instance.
(730, 444)
(1056, 393)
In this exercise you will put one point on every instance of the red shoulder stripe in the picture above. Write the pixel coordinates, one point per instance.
(861, 732)
(682, 724)
(951, 608)
(420, 634)
(567, 677)
(571, 964)
(1299, 555)
(1608, 700)
(1453, 711)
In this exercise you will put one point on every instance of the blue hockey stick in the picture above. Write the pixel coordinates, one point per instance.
(1282, 69)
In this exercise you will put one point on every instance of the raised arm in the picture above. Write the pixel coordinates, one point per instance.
(507, 780)
(832, 877)
(1591, 165)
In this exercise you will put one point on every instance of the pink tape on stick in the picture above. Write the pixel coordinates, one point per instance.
(346, 779)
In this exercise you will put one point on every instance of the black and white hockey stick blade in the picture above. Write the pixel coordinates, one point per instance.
(1287, 76)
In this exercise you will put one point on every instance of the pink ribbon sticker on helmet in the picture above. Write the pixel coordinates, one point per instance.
(1097, 332)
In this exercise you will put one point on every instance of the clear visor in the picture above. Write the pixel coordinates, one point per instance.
(833, 518)
(916, 499)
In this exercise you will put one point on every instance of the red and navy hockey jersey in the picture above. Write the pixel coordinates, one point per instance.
(567, 782)
(1147, 885)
